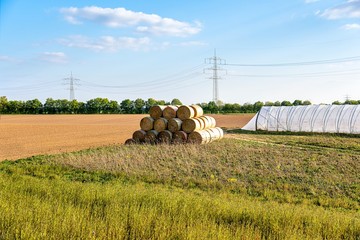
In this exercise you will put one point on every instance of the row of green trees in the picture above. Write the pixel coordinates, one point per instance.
(93, 106)
(127, 106)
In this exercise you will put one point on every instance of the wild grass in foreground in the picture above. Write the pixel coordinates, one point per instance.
(40, 208)
(232, 189)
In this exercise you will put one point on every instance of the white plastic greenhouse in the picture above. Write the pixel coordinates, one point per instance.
(311, 118)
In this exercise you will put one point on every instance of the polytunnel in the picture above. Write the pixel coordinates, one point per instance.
(310, 118)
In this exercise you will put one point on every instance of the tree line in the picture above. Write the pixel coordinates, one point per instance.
(92, 106)
(127, 106)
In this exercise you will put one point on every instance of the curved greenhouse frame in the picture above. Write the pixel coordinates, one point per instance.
(311, 118)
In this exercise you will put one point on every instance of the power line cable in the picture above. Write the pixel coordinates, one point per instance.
(164, 87)
(305, 75)
(29, 87)
(147, 86)
(160, 81)
(337, 60)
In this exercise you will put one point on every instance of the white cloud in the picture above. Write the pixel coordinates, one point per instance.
(192, 43)
(4, 58)
(54, 57)
(107, 43)
(350, 9)
(121, 17)
(351, 26)
(311, 1)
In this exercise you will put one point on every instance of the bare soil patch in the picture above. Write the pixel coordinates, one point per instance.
(28, 135)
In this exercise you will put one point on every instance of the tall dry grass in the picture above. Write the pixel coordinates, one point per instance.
(277, 172)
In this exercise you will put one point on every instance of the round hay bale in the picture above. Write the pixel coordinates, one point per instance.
(170, 112)
(156, 111)
(179, 137)
(219, 132)
(185, 112)
(198, 111)
(151, 136)
(160, 124)
(165, 137)
(139, 135)
(213, 135)
(210, 122)
(213, 121)
(199, 137)
(147, 123)
(203, 122)
(130, 141)
(174, 124)
(190, 125)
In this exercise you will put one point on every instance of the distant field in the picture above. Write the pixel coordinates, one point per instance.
(29, 135)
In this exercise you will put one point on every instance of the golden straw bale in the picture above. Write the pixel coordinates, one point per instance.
(130, 141)
(170, 112)
(190, 125)
(160, 124)
(165, 137)
(174, 124)
(198, 111)
(156, 111)
(151, 136)
(199, 137)
(147, 123)
(179, 137)
(139, 135)
(185, 112)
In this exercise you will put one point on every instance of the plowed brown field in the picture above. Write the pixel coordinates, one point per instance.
(27, 135)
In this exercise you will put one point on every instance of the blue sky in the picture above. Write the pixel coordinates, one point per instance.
(141, 49)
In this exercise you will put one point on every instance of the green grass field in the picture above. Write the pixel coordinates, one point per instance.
(250, 186)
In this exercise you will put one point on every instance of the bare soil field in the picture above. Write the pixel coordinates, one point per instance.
(28, 135)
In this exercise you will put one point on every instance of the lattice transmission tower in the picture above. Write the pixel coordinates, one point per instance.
(71, 81)
(215, 62)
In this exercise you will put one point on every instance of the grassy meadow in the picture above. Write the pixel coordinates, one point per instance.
(247, 186)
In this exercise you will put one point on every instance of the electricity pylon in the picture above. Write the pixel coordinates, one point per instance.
(215, 61)
(72, 81)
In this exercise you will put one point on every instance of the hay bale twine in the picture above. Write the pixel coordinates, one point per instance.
(198, 111)
(174, 124)
(147, 123)
(199, 137)
(190, 125)
(185, 112)
(156, 111)
(179, 137)
(139, 135)
(151, 136)
(160, 124)
(170, 112)
(165, 137)
(130, 141)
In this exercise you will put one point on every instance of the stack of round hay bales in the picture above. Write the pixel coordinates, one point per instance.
(176, 125)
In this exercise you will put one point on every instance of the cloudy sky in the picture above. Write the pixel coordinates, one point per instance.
(271, 50)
